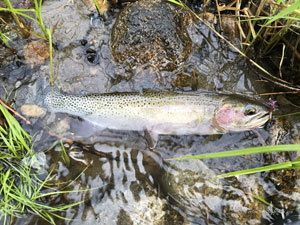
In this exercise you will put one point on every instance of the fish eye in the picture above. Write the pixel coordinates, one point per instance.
(249, 110)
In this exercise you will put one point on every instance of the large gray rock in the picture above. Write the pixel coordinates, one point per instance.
(152, 33)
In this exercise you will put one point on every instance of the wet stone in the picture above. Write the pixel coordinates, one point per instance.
(280, 132)
(19, 4)
(286, 193)
(287, 181)
(68, 21)
(63, 125)
(6, 56)
(152, 33)
(239, 205)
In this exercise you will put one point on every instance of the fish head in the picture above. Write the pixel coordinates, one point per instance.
(241, 116)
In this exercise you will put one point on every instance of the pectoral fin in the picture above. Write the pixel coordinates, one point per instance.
(151, 138)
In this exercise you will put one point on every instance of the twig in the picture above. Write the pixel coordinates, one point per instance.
(281, 60)
(296, 53)
(278, 93)
(27, 30)
(15, 112)
(4, 87)
(219, 14)
(69, 141)
(281, 84)
(237, 13)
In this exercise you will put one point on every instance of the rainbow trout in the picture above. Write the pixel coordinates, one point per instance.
(163, 112)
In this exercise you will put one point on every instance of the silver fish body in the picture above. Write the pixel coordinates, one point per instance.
(163, 112)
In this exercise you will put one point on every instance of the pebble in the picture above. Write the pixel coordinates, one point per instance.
(32, 110)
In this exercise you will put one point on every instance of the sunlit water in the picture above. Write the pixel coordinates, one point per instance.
(130, 183)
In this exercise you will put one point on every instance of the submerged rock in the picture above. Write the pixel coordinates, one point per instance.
(122, 187)
(152, 33)
(192, 186)
(207, 200)
(66, 20)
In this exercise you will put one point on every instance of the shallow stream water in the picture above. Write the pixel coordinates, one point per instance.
(132, 184)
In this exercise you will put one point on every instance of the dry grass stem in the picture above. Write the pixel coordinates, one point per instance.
(281, 60)
(15, 112)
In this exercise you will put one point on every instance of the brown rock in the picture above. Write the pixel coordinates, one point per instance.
(36, 53)
(104, 5)
(230, 26)
(151, 33)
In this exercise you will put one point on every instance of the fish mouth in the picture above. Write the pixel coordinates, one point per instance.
(256, 121)
(260, 119)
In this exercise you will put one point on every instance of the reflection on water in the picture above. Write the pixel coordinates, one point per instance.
(134, 185)
(130, 183)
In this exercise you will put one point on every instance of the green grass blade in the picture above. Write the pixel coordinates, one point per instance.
(279, 166)
(5, 39)
(96, 3)
(177, 2)
(51, 56)
(19, 12)
(246, 151)
(9, 6)
(16, 158)
(38, 13)
(283, 13)
(262, 200)
(296, 164)
(64, 154)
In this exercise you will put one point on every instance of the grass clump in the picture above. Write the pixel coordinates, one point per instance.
(26, 13)
(269, 26)
(4, 39)
(25, 31)
(21, 190)
(267, 21)
(280, 19)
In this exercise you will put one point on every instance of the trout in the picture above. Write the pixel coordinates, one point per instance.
(167, 113)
